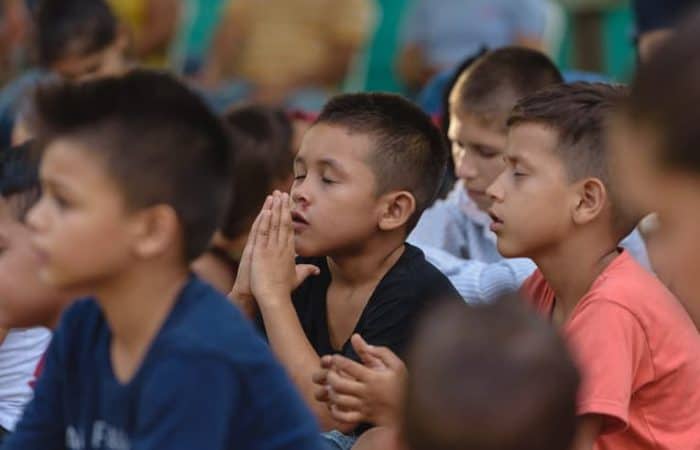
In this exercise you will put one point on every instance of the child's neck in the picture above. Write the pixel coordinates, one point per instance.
(135, 305)
(572, 267)
(368, 264)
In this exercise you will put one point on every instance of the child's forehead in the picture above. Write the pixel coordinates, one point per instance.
(532, 141)
(323, 142)
(487, 121)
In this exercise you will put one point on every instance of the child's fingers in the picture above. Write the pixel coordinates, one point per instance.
(345, 402)
(344, 385)
(352, 368)
(364, 351)
(287, 227)
(263, 235)
(321, 394)
(320, 377)
(268, 203)
(326, 361)
(386, 356)
(276, 218)
(346, 416)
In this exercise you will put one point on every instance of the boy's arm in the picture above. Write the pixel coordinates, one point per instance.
(3, 335)
(478, 281)
(613, 354)
(273, 277)
(589, 427)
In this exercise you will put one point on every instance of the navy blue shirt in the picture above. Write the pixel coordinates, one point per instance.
(207, 382)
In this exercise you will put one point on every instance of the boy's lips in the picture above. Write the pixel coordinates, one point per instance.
(497, 222)
(299, 220)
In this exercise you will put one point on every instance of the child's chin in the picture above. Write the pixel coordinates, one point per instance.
(307, 249)
(508, 250)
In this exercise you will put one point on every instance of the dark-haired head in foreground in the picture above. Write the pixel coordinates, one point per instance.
(491, 377)
(134, 170)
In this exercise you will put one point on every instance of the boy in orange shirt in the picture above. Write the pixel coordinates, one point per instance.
(636, 346)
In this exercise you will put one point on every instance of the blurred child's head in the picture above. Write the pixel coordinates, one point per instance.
(24, 300)
(657, 141)
(479, 105)
(79, 39)
(656, 22)
(557, 181)
(263, 141)
(491, 377)
(264, 161)
(368, 167)
(135, 172)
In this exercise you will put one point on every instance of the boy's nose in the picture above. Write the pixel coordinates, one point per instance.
(36, 217)
(496, 191)
(466, 169)
(299, 195)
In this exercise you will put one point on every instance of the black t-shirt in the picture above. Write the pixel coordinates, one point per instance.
(391, 312)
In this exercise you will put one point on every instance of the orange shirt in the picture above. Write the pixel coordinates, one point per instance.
(639, 355)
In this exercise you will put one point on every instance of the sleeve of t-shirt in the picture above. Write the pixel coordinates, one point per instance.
(183, 397)
(609, 345)
(478, 281)
(42, 426)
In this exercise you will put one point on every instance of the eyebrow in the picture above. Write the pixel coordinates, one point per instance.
(331, 163)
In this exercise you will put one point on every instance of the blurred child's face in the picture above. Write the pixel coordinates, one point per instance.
(334, 192)
(25, 301)
(81, 227)
(531, 196)
(108, 62)
(676, 203)
(477, 149)
(674, 247)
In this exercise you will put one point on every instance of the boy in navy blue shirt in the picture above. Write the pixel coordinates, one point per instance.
(134, 177)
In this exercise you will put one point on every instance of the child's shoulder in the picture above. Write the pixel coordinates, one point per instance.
(204, 322)
(636, 291)
(414, 275)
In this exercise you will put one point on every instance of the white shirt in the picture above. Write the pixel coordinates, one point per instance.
(20, 353)
(455, 236)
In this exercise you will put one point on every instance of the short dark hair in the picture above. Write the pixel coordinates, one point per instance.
(489, 377)
(73, 27)
(409, 151)
(580, 114)
(665, 98)
(19, 178)
(157, 139)
(262, 137)
(499, 78)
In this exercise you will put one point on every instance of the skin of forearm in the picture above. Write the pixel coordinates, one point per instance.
(292, 348)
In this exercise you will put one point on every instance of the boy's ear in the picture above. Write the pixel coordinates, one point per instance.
(157, 230)
(592, 197)
(397, 209)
